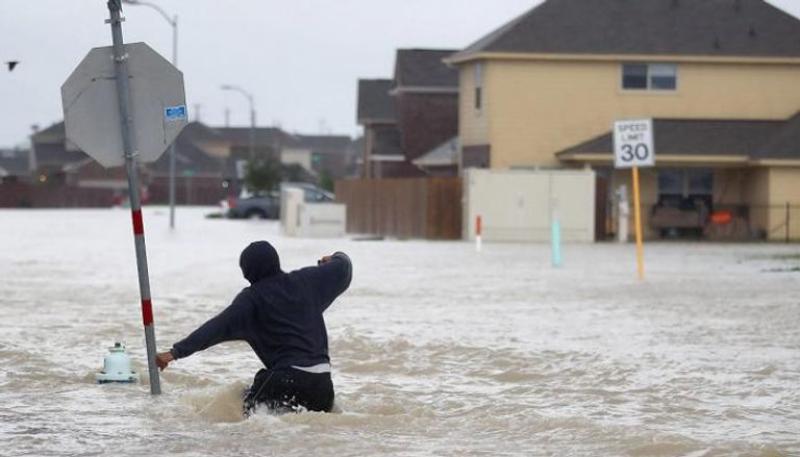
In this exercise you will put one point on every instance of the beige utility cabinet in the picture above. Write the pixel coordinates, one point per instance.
(519, 205)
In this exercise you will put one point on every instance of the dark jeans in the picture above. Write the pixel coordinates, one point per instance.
(286, 390)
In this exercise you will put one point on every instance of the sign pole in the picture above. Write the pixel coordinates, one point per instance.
(122, 77)
(634, 148)
(478, 230)
(172, 146)
(638, 217)
(555, 234)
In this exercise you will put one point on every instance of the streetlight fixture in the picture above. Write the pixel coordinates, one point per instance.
(173, 22)
(249, 97)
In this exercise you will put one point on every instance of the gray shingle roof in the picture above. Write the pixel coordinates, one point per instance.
(198, 131)
(444, 154)
(785, 144)
(750, 28)
(686, 137)
(424, 68)
(13, 162)
(57, 154)
(189, 158)
(325, 144)
(374, 101)
(52, 134)
(264, 136)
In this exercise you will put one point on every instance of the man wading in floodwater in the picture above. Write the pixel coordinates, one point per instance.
(280, 316)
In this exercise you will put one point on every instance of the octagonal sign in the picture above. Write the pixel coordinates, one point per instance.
(91, 107)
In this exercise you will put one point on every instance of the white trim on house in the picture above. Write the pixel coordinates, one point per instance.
(423, 90)
(386, 158)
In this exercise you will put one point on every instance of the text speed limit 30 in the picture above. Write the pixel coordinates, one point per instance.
(633, 144)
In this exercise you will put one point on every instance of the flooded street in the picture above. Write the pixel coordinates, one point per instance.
(436, 349)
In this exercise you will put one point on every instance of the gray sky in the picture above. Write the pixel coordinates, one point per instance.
(300, 59)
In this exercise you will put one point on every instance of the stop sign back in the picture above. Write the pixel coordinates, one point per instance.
(91, 107)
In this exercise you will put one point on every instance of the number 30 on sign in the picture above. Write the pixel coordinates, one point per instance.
(633, 144)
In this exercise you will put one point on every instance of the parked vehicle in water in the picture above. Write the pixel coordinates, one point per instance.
(311, 193)
(267, 205)
(260, 205)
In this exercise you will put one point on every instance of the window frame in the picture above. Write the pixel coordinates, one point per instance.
(478, 95)
(684, 176)
(649, 77)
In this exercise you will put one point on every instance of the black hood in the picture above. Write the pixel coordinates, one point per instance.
(259, 261)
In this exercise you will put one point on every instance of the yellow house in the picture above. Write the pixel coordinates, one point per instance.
(720, 78)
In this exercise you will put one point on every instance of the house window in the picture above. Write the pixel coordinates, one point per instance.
(681, 187)
(656, 76)
(700, 182)
(670, 183)
(634, 76)
(478, 86)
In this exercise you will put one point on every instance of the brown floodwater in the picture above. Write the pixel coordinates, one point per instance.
(436, 349)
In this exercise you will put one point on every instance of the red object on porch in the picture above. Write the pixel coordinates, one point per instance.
(721, 217)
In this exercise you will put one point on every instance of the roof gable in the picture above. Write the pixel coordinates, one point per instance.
(190, 159)
(446, 154)
(424, 68)
(262, 136)
(56, 133)
(721, 28)
(326, 144)
(374, 101)
(14, 162)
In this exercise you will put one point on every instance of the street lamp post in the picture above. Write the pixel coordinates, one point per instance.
(249, 97)
(173, 22)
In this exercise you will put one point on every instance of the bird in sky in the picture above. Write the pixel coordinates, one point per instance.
(12, 64)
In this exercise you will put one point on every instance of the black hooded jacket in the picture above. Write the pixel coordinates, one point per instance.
(280, 314)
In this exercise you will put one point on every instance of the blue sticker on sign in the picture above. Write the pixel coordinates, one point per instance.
(175, 113)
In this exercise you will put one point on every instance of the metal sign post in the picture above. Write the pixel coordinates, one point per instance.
(633, 148)
(124, 105)
(129, 148)
(637, 204)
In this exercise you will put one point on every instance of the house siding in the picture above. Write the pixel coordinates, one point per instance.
(533, 109)
(473, 124)
(426, 121)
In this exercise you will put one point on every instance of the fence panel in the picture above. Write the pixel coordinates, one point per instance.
(404, 208)
(783, 222)
(27, 195)
(444, 209)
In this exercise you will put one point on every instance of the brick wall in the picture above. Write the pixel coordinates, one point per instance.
(426, 121)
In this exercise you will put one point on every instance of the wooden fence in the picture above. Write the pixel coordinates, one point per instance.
(55, 195)
(427, 208)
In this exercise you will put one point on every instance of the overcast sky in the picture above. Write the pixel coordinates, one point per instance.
(300, 58)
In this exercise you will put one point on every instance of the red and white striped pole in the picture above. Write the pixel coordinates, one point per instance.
(122, 76)
(478, 230)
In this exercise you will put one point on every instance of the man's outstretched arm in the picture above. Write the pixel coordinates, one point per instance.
(333, 275)
(229, 325)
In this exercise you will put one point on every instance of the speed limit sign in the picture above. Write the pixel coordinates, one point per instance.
(633, 144)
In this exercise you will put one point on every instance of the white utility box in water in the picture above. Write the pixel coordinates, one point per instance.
(521, 205)
(116, 366)
(310, 219)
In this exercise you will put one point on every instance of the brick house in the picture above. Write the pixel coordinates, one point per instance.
(409, 116)
(426, 94)
(14, 165)
(382, 153)
(209, 162)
